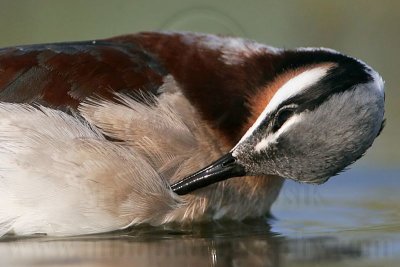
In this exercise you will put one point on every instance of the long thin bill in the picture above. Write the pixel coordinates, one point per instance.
(224, 168)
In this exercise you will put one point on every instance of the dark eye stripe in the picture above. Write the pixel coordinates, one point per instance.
(281, 117)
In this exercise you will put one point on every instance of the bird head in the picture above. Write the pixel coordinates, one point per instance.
(324, 111)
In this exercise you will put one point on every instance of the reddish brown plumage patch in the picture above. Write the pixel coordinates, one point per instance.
(74, 71)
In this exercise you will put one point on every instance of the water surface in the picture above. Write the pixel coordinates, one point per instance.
(352, 220)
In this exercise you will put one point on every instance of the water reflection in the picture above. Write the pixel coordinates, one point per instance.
(217, 244)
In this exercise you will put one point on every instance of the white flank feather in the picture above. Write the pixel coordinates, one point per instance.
(60, 176)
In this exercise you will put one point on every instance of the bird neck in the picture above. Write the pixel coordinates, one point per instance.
(209, 67)
(236, 198)
(194, 146)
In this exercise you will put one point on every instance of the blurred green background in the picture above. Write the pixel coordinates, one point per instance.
(366, 29)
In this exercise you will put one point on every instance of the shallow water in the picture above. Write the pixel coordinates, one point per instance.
(352, 220)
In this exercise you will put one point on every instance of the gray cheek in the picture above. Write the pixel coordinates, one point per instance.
(296, 159)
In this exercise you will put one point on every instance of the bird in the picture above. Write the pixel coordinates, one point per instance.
(172, 127)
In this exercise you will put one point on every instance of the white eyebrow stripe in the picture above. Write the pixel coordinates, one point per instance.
(296, 85)
(292, 87)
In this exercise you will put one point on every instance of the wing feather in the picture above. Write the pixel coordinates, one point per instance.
(63, 75)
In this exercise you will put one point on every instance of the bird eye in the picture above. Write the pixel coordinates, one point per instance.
(281, 117)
